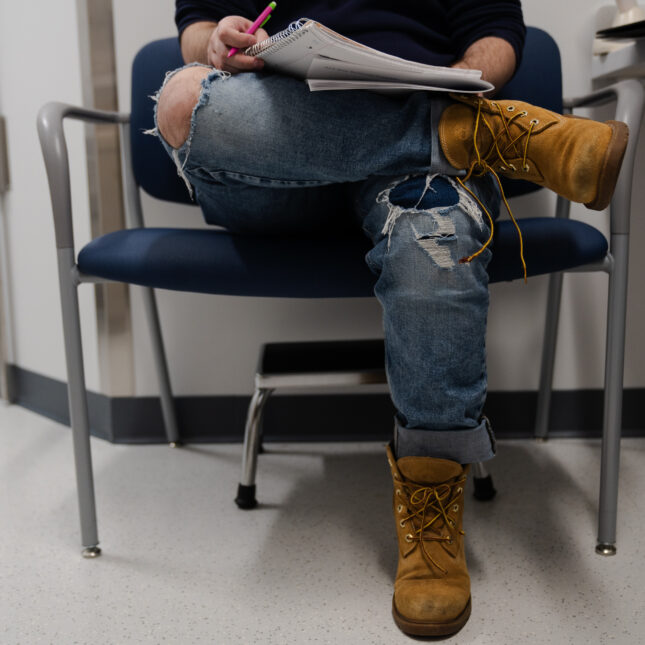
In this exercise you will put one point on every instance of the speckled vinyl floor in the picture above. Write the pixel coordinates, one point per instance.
(313, 564)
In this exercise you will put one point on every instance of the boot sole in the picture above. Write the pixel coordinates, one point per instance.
(418, 628)
(611, 166)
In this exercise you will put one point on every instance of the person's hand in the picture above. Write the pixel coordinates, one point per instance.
(229, 33)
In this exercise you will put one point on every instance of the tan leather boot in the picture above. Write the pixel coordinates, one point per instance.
(432, 586)
(575, 157)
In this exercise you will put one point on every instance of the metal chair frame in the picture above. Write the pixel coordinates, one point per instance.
(630, 99)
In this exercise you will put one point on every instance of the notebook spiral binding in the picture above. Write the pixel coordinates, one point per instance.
(279, 40)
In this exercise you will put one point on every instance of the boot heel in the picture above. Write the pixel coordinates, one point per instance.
(417, 628)
(611, 166)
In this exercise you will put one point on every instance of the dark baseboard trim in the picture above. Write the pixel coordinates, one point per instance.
(324, 417)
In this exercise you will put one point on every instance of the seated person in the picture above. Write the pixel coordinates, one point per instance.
(419, 170)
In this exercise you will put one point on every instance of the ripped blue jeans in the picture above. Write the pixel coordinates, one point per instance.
(265, 155)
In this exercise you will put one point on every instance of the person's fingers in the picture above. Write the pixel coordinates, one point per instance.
(237, 63)
(242, 63)
(214, 56)
(229, 33)
(231, 37)
(260, 34)
(236, 22)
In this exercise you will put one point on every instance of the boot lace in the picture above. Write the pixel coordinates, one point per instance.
(482, 165)
(429, 509)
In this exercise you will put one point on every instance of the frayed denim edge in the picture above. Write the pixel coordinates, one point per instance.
(466, 203)
(204, 96)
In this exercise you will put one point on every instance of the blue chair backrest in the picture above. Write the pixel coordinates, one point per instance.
(537, 81)
(153, 169)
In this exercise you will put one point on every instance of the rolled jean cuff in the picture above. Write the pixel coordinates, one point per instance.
(464, 446)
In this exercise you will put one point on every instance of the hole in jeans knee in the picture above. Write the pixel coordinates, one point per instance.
(424, 193)
(176, 103)
(433, 205)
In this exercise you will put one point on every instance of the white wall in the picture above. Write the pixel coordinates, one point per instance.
(39, 62)
(213, 341)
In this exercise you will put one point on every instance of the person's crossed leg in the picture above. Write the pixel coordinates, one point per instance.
(265, 155)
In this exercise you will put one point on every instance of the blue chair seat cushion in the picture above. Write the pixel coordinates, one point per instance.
(550, 245)
(217, 262)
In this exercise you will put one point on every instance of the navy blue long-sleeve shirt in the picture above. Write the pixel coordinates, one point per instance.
(436, 32)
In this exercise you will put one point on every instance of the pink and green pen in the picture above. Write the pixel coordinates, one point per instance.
(260, 22)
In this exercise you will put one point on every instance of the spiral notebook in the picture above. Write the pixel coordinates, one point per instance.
(329, 61)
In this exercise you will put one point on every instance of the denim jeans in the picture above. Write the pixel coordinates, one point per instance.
(265, 155)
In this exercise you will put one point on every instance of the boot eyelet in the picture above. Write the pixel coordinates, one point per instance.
(502, 168)
(512, 167)
(455, 508)
(398, 491)
(460, 490)
(402, 524)
(451, 523)
(396, 477)
(526, 168)
(408, 537)
(534, 121)
(524, 113)
(511, 108)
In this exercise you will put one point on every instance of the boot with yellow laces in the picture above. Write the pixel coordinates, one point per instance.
(432, 586)
(575, 157)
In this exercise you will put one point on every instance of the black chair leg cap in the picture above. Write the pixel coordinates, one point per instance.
(246, 497)
(484, 489)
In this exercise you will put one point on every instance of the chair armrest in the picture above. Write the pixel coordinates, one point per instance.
(54, 149)
(629, 96)
(599, 97)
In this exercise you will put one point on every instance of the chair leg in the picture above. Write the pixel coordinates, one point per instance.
(552, 318)
(78, 404)
(161, 366)
(629, 108)
(483, 483)
(548, 355)
(252, 436)
(612, 422)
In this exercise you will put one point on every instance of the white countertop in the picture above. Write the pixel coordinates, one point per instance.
(628, 62)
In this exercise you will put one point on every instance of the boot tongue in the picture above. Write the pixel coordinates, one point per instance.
(428, 470)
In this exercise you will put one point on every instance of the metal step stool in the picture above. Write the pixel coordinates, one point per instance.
(314, 364)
